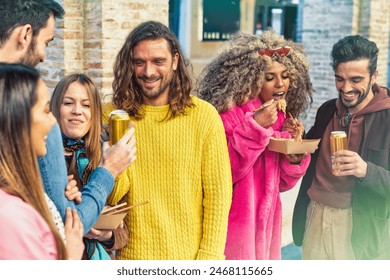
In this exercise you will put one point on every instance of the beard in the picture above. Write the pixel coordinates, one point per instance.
(155, 92)
(361, 97)
(30, 57)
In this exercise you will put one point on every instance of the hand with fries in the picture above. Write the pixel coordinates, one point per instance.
(295, 127)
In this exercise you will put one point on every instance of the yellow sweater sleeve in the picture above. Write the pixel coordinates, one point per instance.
(217, 189)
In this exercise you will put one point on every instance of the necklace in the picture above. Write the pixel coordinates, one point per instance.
(344, 120)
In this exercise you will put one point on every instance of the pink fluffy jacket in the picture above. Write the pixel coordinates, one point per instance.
(259, 175)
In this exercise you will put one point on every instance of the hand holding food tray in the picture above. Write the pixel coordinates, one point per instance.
(289, 146)
(111, 217)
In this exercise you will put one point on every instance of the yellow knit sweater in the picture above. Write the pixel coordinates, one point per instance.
(183, 170)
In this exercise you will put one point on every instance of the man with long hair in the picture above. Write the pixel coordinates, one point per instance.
(27, 27)
(183, 165)
(343, 207)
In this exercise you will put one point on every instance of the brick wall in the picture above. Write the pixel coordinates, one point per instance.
(118, 19)
(325, 22)
(319, 32)
(379, 33)
(91, 34)
(53, 67)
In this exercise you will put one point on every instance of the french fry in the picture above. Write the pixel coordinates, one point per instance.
(281, 106)
(109, 209)
(121, 210)
(300, 129)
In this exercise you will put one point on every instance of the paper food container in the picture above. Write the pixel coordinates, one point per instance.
(109, 221)
(111, 217)
(289, 146)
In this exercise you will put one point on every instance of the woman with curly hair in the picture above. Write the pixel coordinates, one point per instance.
(247, 82)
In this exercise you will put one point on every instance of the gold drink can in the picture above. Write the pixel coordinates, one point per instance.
(338, 141)
(119, 124)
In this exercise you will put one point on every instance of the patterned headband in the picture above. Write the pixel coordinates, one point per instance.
(271, 52)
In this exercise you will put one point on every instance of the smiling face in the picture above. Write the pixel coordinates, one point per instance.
(36, 51)
(42, 120)
(75, 112)
(353, 82)
(154, 68)
(276, 83)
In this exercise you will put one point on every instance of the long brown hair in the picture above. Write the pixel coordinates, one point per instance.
(19, 173)
(127, 93)
(92, 138)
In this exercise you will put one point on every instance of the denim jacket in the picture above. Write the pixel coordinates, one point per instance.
(54, 176)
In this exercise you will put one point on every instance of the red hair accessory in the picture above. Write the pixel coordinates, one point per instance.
(271, 52)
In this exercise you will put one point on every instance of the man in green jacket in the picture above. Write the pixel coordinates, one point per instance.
(343, 206)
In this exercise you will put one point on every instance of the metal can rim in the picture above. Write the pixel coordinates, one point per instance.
(118, 112)
(338, 132)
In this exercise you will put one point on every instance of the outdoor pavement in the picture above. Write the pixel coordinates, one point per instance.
(289, 250)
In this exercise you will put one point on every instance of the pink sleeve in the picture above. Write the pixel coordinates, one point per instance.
(25, 235)
(291, 173)
(246, 140)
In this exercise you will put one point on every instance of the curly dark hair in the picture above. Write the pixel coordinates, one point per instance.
(236, 75)
(127, 93)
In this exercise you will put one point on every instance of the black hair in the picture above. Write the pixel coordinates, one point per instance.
(355, 47)
(15, 13)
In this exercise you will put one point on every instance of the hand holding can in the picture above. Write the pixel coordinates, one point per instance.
(122, 152)
(338, 142)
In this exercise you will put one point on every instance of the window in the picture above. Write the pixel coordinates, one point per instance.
(221, 19)
(279, 15)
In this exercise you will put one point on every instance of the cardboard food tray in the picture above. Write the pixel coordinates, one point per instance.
(109, 221)
(111, 217)
(289, 146)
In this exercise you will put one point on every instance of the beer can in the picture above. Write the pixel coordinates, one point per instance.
(119, 124)
(338, 141)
